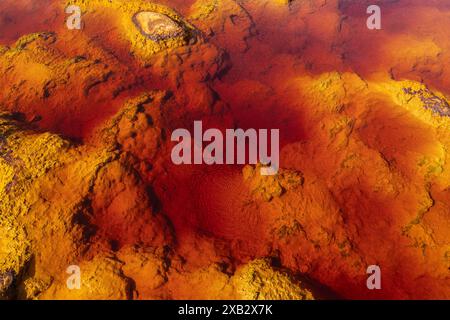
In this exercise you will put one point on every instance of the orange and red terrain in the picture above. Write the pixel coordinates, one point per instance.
(85, 171)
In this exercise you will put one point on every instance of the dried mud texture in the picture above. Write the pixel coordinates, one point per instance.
(85, 171)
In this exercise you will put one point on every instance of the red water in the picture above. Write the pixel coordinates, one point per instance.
(254, 93)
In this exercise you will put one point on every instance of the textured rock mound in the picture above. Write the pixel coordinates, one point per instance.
(157, 26)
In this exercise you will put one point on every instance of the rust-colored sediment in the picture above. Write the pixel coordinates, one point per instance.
(87, 180)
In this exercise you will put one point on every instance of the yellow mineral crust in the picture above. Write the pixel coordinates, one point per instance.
(255, 280)
(86, 177)
(34, 163)
(267, 187)
(132, 21)
(102, 279)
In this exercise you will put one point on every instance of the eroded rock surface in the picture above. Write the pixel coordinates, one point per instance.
(157, 26)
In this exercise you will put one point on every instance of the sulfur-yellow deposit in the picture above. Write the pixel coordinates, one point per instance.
(86, 177)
